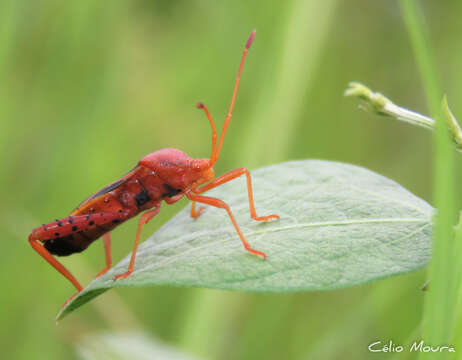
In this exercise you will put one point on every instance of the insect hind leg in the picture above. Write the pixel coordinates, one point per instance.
(35, 243)
(46, 239)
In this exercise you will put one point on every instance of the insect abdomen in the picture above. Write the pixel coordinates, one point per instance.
(67, 245)
(74, 234)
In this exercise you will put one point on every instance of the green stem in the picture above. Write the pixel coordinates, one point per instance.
(439, 307)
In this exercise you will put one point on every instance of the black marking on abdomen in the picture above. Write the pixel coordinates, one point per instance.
(76, 242)
(62, 246)
(142, 198)
(170, 192)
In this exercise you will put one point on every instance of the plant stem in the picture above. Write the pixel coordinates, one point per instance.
(439, 307)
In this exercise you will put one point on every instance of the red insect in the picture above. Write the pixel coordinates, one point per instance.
(168, 175)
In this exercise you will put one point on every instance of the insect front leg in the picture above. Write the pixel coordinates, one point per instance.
(196, 213)
(173, 199)
(222, 205)
(144, 219)
(233, 174)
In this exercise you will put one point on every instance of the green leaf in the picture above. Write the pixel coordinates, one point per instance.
(341, 225)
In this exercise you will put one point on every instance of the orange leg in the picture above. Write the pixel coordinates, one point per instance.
(173, 199)
(222, 205)
(144, 219)
(107, 250)
(228, 177)
(53, 262)
(196, 213)
(63, 227)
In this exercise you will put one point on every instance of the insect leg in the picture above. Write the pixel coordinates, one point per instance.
(222, 205)
(196, 213)
(34, 241)
(107, 250)
(230, 176)
(173, 199)
(59, 229)
(144, 219)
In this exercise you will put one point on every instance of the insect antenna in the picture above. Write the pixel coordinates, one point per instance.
(214, 132)
(216, 150)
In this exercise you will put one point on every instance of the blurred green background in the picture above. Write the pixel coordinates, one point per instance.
(87, 88)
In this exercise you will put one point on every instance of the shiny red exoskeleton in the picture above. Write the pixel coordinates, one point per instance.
(167, 175)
